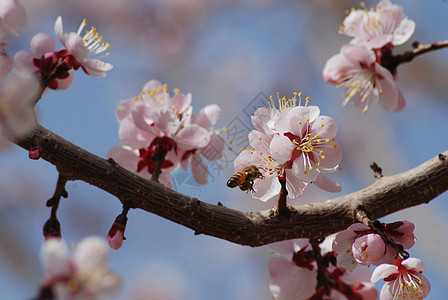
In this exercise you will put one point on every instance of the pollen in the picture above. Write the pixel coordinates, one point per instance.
(176, 91)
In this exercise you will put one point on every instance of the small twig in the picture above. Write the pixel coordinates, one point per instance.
(58, 193)
(52, 228)
(419, 50)
(376, 169)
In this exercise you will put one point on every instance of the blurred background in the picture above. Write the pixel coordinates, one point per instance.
(233, 53)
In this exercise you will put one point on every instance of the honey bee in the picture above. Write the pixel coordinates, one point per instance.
(244, 179)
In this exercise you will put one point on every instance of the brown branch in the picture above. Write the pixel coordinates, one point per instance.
(385, 196)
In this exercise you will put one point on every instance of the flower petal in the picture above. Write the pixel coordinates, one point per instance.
(383, 271)
(326, 184)
(199, 169)
(193, 136)
(281, 148)
(208, 116)
(267, 188)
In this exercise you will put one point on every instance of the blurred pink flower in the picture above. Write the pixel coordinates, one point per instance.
(363, 77)
(12, 17)
(81, 48)
(374, 29)
(17, 94)
(404, 279)
(86, 275)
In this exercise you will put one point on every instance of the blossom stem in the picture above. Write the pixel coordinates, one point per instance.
(362, 216)
(45, 293)
(282, 208)
(322, 280)
(159, 158)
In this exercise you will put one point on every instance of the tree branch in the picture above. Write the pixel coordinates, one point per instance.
(385, 196)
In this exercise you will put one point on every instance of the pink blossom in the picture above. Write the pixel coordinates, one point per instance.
(85, 275)
(404, 279)
(12, 17)
(155, 121)
(292, 275)
(44, 61)
(272, 166)
(294, 144)
(80, 49)
(374, 29)
(17, 94)
(364, 78)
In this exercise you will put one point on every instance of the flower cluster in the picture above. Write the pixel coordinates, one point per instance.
(293, 144)
(159, 132)
(363, 244)
(295, 270)
(78, 51)
(86, 275)
(365, 66)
